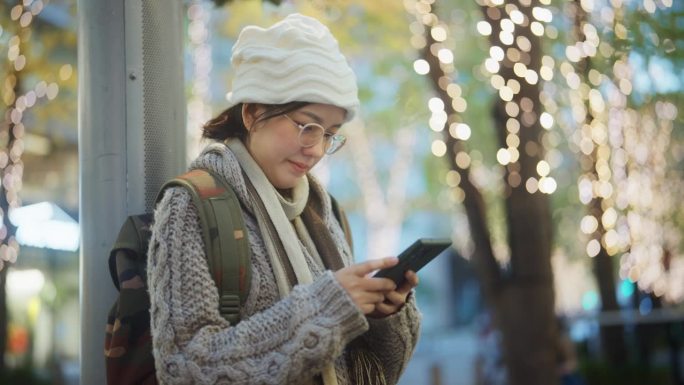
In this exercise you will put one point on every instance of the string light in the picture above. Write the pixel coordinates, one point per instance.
(443, 115)
(19, 103)
(622, 151)
(508, 66)
(12, 131)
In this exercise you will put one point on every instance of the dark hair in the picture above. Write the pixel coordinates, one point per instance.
(229, 124)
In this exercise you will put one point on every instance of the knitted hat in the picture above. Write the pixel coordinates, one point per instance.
(296, 59)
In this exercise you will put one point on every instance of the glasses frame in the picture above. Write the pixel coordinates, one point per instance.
(331, 142)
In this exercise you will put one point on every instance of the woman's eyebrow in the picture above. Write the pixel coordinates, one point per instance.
(318, 119)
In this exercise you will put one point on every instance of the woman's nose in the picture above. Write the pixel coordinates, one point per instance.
(317, 150)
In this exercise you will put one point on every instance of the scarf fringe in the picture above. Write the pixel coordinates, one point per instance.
(366, 368)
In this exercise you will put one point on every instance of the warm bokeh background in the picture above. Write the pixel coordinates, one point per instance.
(543, 136)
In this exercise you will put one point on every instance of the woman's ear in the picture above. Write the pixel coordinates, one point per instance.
(249, 115)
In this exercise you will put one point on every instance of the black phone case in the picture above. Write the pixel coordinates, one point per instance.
(419, 254)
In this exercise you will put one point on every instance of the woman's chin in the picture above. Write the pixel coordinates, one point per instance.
(286, 183)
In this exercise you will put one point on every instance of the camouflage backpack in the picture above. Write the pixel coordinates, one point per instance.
(128, 342)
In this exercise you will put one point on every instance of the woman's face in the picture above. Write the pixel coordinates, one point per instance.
(274, 143)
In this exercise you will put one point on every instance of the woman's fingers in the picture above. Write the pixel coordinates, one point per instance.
(410, 282)
(367, 308)
(394, 300)
(360, 296)
(366, 300)
(380, 284)
(376, 297)
(363, 268)
(384, 309)
(365, 291)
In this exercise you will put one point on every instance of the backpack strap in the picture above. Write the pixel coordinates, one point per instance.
(225, 238)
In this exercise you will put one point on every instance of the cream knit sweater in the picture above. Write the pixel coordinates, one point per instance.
(278, 341)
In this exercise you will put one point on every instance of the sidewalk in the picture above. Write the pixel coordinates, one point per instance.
(449, 355)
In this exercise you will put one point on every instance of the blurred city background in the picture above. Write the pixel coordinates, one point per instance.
(543, 136)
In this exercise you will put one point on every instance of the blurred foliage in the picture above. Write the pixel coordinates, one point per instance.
(657, 34)
(24, 376)
(650, 38)
(48, 44)
(220, 3)
(48, 53)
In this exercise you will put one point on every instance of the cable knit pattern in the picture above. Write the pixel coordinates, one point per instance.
(278, 341)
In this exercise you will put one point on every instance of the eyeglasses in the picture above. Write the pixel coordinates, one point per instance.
(311, 134)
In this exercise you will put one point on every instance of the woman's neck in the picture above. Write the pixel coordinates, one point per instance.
(286, 193)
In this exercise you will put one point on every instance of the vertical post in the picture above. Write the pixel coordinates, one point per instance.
(102, 159)
(131, 138)
(435, 374)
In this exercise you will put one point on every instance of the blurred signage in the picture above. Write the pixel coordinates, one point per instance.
(45, 225)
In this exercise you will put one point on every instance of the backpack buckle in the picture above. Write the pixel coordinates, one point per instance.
(229, 305)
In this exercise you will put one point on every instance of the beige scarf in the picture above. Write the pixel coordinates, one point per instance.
(271, 206)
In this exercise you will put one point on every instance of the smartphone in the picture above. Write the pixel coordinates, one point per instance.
(414, 258)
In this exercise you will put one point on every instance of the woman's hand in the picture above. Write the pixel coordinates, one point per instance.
(394, 300)
(367, 292)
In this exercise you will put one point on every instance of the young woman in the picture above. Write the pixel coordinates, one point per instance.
(329, 322)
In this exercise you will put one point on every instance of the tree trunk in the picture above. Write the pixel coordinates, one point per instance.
(526, 305)
(522, 299)
(612, 336)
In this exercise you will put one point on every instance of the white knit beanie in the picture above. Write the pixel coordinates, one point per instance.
(296, 59)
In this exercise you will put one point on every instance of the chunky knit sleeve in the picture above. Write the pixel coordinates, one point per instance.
(192, 344)
(393, 339)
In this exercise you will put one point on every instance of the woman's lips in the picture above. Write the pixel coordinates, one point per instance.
(299, 167)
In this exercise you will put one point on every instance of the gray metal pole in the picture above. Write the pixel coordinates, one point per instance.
(131, 138)
(102, 158)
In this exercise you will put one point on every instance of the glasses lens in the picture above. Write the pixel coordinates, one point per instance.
(311, 134)
(334, 143)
